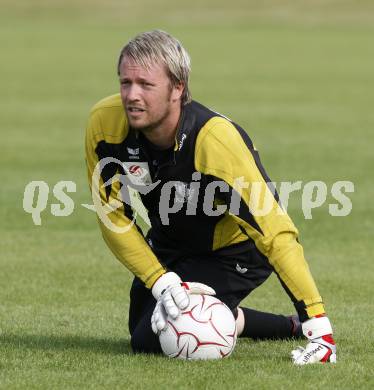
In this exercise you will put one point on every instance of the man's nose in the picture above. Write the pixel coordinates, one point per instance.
(133, 93)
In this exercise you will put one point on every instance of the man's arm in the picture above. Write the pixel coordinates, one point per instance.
(226, 153)
(129, 247)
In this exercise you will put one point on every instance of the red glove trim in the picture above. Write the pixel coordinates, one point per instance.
(326, 358)
(328, 338)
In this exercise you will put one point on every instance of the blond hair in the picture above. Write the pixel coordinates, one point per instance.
(158, 46)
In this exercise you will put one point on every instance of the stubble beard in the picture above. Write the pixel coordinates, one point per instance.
(157, 124)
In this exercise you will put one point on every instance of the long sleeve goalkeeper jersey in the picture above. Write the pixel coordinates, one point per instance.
(205, 199)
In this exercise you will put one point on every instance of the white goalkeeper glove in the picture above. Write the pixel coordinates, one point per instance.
(321, 347)
(172, 296)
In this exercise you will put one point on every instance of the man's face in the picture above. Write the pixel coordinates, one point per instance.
(147, 94)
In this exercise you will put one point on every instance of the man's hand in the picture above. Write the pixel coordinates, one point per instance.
(321, 347)
(172, 296)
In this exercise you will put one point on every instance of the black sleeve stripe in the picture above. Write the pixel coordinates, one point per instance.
(256, 157)
(104, 150)
(110, 169)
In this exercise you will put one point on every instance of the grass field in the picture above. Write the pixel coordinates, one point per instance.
(298, 75)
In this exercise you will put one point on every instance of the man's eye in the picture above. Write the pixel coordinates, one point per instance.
(146, 84)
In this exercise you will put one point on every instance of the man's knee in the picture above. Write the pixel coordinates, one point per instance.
(145, 341)
(137, 344)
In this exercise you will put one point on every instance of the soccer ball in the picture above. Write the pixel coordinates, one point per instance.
(205, 330)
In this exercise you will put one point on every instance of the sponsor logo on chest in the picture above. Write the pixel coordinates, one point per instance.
(137, 172)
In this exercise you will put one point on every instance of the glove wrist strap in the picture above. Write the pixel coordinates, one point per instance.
(316, 327)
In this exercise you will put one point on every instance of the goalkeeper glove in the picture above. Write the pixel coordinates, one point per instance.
(321, 347)
(172, 296)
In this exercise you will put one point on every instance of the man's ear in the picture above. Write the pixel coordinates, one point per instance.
(177, 91)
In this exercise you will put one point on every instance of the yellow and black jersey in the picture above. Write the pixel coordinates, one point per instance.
(197, 204)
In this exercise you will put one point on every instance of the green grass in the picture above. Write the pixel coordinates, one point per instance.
(298, 75)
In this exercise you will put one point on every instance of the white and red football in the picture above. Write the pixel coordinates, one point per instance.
(205, 330)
